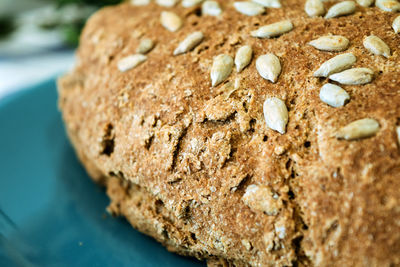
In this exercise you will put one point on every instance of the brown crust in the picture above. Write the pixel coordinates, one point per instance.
(150, 136)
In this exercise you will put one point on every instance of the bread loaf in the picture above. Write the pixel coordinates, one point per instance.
(218, 141)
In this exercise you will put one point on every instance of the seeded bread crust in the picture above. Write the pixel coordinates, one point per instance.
(177, 154)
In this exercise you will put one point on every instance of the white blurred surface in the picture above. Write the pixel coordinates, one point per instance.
(13, 7)
(17, 73)
(31, 54)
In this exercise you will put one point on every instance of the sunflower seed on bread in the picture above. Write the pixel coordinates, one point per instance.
(273, 30)
(341, 9)
(388, 5)
(190, 42)
(355, 76)
(269, 3)
(276, 114)
(243, 57)
(190, 3)
(396, 24)
(130, 62)
(221, 69)
(140, 2)
(330, 43)
(167, 3)
(145, 46)
(211, 8)
(365, 3)
(269, 67)
(335, 64)
(171, 21)
(398, 134)
(333, 95)
(358, 129)
(376, 45)
(249, 8)
(314, 8)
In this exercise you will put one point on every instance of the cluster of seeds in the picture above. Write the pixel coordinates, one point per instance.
(269, 67)
(338, 69)
(223, 64)
(209, 7)
(131, 61)
(315, 8)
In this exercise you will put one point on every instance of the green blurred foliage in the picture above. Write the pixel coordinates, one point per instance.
(98, 3)
(71, 32)
(7, 26)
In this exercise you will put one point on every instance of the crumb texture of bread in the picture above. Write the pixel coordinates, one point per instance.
(196, 167)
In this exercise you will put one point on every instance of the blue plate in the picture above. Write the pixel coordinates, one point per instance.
(51, 213)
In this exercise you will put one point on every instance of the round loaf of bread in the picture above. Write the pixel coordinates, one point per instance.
(248, 134)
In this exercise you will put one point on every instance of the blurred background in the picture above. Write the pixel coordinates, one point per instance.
(38, 38)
